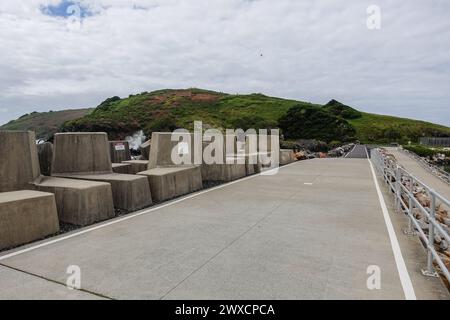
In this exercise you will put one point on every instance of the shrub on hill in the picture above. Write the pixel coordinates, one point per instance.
(308, 122)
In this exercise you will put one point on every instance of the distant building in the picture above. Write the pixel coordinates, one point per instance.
(435, 141)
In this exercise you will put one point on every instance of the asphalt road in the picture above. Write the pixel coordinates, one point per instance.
(309, 232)
(358, 152)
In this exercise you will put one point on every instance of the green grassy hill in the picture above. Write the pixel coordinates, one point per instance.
(45, 124)
(165, 110)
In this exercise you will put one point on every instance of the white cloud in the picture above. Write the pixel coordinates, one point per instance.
(311, 50)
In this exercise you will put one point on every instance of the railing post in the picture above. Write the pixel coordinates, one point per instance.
(430, 269)
(410, 230)
(398, 188)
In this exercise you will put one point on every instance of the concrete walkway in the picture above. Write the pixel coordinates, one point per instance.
(421, 173)
(308, 232)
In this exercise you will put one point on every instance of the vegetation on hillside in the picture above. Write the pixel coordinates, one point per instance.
(341, 110)
(309, 122)
(168, 109)
(374, 128)
(165, 110)
(424, 151)
(45, 124)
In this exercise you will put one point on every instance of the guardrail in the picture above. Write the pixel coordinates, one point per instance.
(422, 218)
(441, 174)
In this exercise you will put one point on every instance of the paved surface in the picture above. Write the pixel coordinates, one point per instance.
(421, 173)
(309, 232)
(358, 152)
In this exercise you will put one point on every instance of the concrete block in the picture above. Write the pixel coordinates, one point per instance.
(19, 163)
(137, 165)
(130, 192)
(80, 202)
(75, 200)
(162, 147)
(45, 154)
(120, 151)
(286, 156)
(170, 182)
(167, 178)
(124, 168)
(26, 216)
(225, 171)
(81, 152)
(145, 149)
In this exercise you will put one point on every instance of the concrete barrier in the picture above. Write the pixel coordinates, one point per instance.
(26, 216)
(124, 168)
(80, 202)
(225, 171)
(86, 156)
(168, 179)
(137, 165)
(19, 163)
(74, 199)
(45, 154)
(120, 151)
(145, 149)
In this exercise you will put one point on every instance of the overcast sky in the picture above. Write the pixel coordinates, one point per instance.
(307, 50)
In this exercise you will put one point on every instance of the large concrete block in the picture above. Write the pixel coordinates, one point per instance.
(167, 144)
(170, 182)
(74, 199)
(80, 202)
(231, 166)
(120, 151)
(145, 149)
(130, 192)
(26, 216)
(19, 163)
(81, 152)
(124, 168)
(45, 153)
(168, 178)
(137, 165)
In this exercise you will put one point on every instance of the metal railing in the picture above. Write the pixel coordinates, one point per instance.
(403, 185)
(441, 174)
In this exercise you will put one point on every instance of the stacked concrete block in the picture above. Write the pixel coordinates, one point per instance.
(45, 153)
(75, 200)
(19, 163)
(252, 163)
(25, 215)
(124, 168)
(168, 178)
(120, 151)
(121, 158)
(136, 165)
(79, 202)
(86, 156)
(230, 166)
(145, 149)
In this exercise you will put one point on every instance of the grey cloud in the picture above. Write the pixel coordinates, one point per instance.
(311, 50)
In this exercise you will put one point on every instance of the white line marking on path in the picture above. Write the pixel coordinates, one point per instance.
(308, 183)
(134, 215)
(350, 151)
(405, 280)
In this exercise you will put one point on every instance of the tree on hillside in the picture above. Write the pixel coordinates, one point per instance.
(308, 122)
